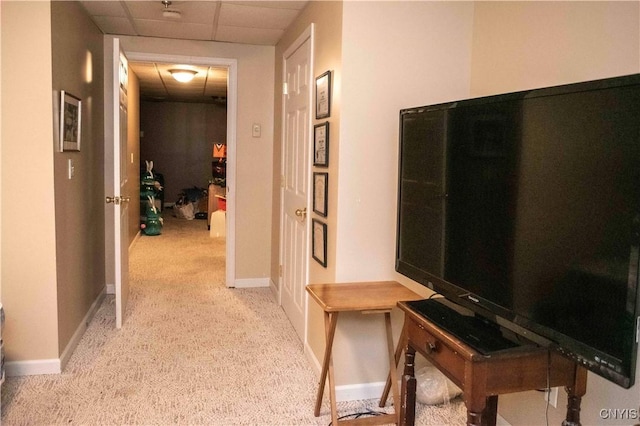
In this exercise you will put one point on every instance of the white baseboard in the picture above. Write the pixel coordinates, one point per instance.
(359, 391)
(135, 240)
(500, 421)
(274, 291)
(32, 367)
(346, 392)
(54, 365)
(111, 288)
(315, 362)
(251, 282)
(82, 327)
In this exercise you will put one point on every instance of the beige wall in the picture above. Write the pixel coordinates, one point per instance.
(76, 49)
(371, 82)
(422, 57)
(432, 52)
(52, 245)
(522, 45)
(29, 281)
(253, 155)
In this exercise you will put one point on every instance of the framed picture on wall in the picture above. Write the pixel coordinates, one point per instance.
(70, 122)
(321, 144)
(320, 193)
(319, 241)
(323, 95)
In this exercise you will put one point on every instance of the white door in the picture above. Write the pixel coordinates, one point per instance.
(119, 198)
(296, 161)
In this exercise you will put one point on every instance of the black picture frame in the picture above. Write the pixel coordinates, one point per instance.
(321, 144)
(323, 95)
(70, 122)
(320, 192)
(319, 242)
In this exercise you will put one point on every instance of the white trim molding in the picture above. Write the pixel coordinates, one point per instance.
(232, 118)
(251, 282)
(33, 367)
(55, 365)
(82, 327)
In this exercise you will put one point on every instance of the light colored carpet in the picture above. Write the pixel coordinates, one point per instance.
(191, 351)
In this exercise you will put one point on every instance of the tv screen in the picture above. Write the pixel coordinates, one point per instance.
(526, 207)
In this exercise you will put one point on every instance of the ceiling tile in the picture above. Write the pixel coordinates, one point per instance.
(255, 22)
(178, 30)
(235, 15)
(268, 37)
(114, 25)
(104, 8)
(194, 12)
(283, 4)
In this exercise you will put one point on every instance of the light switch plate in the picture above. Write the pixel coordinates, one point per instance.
(71, 169)
(256, 130)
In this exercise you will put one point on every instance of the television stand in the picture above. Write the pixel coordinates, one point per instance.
(482, 377)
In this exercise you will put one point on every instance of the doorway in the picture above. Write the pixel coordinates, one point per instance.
(231, 118)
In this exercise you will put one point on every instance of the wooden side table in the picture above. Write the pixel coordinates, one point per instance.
(483, 377)
(369, 298)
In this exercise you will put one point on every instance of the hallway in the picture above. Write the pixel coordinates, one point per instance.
(191, 351)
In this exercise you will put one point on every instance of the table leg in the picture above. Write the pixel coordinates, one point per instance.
(397, 355)
(479, 410)
(330, 321)
(575, 392)
(490, 413)
(407, 413)
(393, 373)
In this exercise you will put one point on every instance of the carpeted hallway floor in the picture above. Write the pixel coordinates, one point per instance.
(191, 351)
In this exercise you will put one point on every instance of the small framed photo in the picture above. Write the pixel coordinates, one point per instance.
(320, 193)
(321, 144)
(319, 240)
(70, 122)
(323, 95)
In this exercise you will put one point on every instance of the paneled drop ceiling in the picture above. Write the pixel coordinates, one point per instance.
(156, 83)
(260, 22)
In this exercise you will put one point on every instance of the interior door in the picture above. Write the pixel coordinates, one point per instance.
(119, 199)
(295, 182)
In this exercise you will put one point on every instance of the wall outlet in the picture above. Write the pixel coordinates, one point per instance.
(551, 396)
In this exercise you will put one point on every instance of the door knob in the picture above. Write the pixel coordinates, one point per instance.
(118, 200)
(301, 212)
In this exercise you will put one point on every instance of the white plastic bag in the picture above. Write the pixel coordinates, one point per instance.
(434, 388)
(185, 211)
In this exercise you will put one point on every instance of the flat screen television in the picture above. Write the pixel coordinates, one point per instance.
(525, 208)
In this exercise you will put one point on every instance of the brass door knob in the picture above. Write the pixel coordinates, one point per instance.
(302, 213)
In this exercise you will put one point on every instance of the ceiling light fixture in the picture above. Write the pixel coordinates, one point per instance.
(183, 76)
(170, 13)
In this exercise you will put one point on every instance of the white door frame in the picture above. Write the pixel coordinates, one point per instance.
(232, 115)
(307, 34)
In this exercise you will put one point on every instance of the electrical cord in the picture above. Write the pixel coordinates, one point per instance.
(548, 392)
(370, 413)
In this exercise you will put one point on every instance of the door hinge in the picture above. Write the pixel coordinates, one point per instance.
(285, 89)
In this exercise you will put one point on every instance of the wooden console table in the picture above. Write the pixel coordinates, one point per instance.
(483, 377)
(368, 298)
